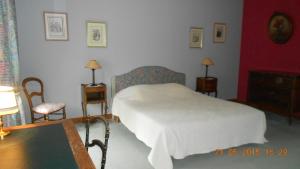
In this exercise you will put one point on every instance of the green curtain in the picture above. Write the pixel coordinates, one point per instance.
(9, 62)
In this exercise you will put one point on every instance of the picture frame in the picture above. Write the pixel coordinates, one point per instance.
(56, 26)
(196, 37)
(96, 34)
(219, 33)
(280, 28)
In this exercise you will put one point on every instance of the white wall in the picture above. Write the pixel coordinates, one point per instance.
(140, 32)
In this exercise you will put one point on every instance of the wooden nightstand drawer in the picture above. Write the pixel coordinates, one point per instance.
(93, 95)
(91, 89)
(207, 85)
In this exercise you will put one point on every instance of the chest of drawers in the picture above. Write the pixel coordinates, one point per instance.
(277, 92)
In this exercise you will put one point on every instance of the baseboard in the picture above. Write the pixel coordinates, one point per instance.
(108, 117)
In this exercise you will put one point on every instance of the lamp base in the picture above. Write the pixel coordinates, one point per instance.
(93, 84)
(3, 133)
(206, 70)
(93, 76)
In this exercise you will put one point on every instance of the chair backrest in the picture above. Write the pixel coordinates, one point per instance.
(103, 145)
(30, 94)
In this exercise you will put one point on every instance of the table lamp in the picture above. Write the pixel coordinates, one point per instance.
(93, 65)
(207, 62)
(8, 105)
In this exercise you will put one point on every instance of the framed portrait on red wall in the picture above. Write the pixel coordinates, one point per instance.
(280, 28)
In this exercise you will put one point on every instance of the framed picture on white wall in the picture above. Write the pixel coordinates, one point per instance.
(56, 26)
(219, 32)
(196, 37)
(96, 34)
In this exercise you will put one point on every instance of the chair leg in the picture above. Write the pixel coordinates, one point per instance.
(32, 118)
(103, 161)
(101, 108)
(83, 110)
(87, 132)
(64, 113)
(46, 117)
(105, 108)
(104, 151)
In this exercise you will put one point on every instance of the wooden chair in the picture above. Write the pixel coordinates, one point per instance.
(102, 145)
(43, 109)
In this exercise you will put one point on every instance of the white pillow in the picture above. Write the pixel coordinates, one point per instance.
(155, 91)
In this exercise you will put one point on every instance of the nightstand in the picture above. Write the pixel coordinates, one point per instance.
(93, 95)
(207, 85)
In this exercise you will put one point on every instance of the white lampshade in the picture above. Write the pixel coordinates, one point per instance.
(207, 61)
(8, 103)
(92, 64)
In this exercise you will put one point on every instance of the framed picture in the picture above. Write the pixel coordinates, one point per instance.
(96, 34)
(280, 28)
(56, 26)
(196, 37)
(219, 32)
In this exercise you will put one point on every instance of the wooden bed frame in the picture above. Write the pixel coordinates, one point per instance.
(146, 75)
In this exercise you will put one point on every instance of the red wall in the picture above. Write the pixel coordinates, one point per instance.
(257, 50)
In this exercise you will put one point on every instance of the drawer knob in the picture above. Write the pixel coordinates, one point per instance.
(278, 80)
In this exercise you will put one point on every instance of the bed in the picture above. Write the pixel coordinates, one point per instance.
(174, 121)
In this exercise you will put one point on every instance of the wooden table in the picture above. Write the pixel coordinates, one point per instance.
(93, 95)
(207, 85)
(79, 152)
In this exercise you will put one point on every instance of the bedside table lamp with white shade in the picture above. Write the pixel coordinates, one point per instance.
(8, 105)
(93, 65)
(207, 62)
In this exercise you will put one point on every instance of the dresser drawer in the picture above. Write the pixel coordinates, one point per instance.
(276, 97)
(271, 80)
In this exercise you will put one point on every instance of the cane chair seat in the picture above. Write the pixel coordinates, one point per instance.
(46, 108)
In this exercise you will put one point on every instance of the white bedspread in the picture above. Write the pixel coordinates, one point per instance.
(176, 121)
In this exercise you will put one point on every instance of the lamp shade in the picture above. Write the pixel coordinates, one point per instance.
(207, 61)
(8, 103)
(92, 64)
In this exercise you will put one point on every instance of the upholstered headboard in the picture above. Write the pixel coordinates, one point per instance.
(146, 75)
